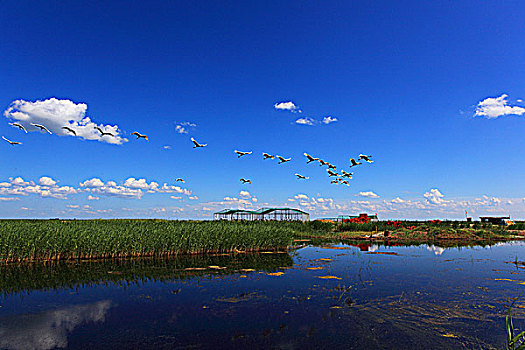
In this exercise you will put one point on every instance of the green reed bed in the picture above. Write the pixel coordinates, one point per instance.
(44, 240)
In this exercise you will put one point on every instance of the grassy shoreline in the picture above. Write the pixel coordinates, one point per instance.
(70, 240)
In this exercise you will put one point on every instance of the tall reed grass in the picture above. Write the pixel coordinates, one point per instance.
(37, 240)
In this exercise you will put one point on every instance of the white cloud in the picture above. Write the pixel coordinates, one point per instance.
(493, 107)
(328, 120)
(55, 114)
(140, 183)
(73, 206)
(287, 106)
(305, 121)
(193, 198)
(18, 181)
(398, 200)
(48, 188)
(184, 127)
(173, 189)
(119, 191)
(92, 198)
(245, 194)
(434, 196)
(368, 194)
(92, 183)
(9, 199)
(47, 181)
(176, 197)
(301, 196)
(166, 147)
(131, 188)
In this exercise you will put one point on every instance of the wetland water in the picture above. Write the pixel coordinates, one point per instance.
(333, 296)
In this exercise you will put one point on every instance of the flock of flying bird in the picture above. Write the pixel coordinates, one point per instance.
(331, 169)
(67, 128)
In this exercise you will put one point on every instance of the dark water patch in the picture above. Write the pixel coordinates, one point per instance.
(335, 296)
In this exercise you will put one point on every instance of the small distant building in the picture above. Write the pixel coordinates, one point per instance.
(265, 214)
(362, 218)
(496, 220)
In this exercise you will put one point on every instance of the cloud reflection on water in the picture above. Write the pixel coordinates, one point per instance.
(49, 329)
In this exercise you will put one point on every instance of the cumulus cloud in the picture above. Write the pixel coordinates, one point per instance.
(140, 183)
(46, 181)
(92, 198)
(494, 107)
(368, 194)
(47, 188)
(287, 106)
(184, 127)
(434, 196)
(92, 183)
(173, 189)
(328, 120)
(131, 188)
(398, 200)
(245, 194)
(305, 121)
(54, 114)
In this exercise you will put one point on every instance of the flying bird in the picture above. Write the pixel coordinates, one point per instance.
(102, 133)
(331, 166)
(240, 153)
(266, 156)
(322, 162)
(345, 174)
(366, 158)
(331, 173)
(41, 127)
(344, 182)
(18, 125)
(140, 136)
(283, 160)
(12, 142)
(354, 163)
(336, 181)
(310, 158)
(179, 180)
(70, 130)
(243, 180)
(299, 176)
(196, 144)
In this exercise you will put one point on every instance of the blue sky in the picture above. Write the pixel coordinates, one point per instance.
(408, 83)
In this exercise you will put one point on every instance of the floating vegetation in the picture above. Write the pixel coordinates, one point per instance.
(329, 277)
(275, 273)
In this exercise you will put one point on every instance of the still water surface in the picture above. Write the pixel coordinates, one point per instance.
(334, 296)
